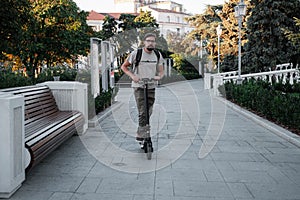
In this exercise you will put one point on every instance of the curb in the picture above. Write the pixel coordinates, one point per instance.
(274, 128)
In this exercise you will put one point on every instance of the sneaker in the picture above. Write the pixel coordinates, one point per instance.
(138, 138)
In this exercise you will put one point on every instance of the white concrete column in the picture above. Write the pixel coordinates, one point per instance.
(217, 82)
(70, 95)
(12, 143)
(207, 81)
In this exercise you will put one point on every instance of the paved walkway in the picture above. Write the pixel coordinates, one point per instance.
(204, 149)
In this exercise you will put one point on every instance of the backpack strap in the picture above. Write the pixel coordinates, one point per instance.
(157, 63)
(137, 60)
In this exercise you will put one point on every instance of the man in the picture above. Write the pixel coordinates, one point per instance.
(150, 66)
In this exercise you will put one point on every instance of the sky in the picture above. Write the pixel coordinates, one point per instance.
(192, 6)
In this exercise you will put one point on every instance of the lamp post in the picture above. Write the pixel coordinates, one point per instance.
(240, 11)
(200, 54)
(219, 32)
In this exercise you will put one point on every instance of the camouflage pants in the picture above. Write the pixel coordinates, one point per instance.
(139, 98)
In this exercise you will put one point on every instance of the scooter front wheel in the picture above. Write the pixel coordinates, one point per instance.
(148, 150)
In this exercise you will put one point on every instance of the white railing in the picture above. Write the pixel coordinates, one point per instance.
(282, 72)
(228, 74)
(286, 66)
(285, 75)
(210, 78)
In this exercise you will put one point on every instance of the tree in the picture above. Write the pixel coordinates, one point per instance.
(176, 44)
(267, 45)
(294, 37)
(57, 33)
(128, 34)
(145, 19)
(205, 29)
(132, 28)
(15, 15)
(230, 28)
(109, 28)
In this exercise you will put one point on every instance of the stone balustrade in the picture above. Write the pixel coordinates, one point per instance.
(284, 73)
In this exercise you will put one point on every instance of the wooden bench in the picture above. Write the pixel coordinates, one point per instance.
(46, 127)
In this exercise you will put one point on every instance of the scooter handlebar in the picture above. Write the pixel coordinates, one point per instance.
(145, 81)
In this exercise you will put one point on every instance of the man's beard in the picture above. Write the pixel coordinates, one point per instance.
(150, 48)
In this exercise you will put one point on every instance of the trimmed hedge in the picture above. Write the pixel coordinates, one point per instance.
(9, 79)
(65, 73)
(277, 102)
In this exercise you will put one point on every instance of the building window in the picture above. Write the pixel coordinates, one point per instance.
(168, 18)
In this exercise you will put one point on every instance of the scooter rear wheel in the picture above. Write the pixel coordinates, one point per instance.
(149, 151)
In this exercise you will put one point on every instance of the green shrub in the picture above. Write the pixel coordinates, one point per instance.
(64, 72)
(277, 102)
(191, 75)
(9, 79)
(102, 101)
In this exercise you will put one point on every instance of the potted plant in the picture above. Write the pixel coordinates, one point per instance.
(56, 73)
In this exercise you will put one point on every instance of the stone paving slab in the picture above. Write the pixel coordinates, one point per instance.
(204, 149)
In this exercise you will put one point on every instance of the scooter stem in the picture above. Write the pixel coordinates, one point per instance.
(146, 104)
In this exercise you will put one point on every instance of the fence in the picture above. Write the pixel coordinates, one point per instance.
(283, 72)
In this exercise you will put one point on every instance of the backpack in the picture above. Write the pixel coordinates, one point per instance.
(139, 56)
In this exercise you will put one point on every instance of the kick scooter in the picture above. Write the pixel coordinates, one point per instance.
(146, 143)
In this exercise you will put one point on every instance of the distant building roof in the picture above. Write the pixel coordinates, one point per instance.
(93, 15)
(167, 11)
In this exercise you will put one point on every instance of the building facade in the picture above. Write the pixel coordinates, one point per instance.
(168, 14)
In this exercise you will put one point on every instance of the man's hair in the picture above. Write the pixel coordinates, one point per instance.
(149, 35)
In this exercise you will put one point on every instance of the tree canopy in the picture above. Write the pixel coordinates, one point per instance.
(15, 16)
(44, 32)
(269, 33)
(267, 44)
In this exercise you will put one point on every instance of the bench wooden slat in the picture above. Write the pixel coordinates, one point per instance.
(46, 120)
(67, 131)
(45, 102)
(51, 133)
(24, 89)
(48, 124)
(42, 101)
(39, 117)
(31, 112)
(42, 152)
